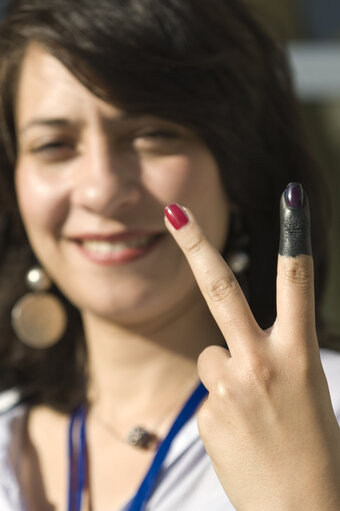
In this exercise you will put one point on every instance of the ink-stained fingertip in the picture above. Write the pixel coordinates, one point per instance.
(295, 232)
(294, 196)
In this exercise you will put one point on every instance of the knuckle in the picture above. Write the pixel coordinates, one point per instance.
(297, 272)
(220, 389)
(211, 351)
(220, 289)
(195, 244)
(205, 357)
(212, 369)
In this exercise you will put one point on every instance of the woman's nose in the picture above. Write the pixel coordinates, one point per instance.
(107, 184)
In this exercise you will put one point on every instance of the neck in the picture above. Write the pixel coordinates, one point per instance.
(144, 374)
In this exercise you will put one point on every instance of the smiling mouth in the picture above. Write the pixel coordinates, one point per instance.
(118, 252)
(108, 247)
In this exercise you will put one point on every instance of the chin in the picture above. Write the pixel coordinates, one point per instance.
(121, 307)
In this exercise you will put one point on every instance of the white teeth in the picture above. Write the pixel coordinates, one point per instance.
(109, 247)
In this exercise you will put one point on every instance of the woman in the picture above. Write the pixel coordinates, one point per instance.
(111, 111)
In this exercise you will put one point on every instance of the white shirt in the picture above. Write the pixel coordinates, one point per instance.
(187, 481)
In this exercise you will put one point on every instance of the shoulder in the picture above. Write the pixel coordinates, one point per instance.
(9, 399)
(12, 415)
(331, 365)
(12, 422)
(12, 412)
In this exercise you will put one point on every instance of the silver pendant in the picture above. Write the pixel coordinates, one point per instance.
(140, 437)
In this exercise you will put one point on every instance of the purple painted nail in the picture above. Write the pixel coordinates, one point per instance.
(294, 196)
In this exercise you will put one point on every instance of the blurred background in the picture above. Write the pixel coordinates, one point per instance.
(310, 29)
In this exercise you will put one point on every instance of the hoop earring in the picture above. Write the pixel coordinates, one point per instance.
(39, 318)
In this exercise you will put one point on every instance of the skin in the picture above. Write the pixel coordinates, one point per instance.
(139, 336)
(145, 321)
(268, 415)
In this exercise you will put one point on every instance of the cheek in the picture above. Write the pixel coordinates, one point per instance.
(194, 181)
(42, 204)
(168, 179)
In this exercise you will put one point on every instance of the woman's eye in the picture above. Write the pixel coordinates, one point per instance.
(50, 146)
(158, 134)
(55, 150)
(157, 141)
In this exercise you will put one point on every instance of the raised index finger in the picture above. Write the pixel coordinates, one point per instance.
(217, 282)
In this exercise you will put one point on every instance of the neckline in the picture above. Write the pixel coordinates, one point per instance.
(77, 454)
(188, 434)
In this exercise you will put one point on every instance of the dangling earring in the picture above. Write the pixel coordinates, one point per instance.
(39, 318)
(238, 262)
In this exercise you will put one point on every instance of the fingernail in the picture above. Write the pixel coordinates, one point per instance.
(294, 196)
(176, 216)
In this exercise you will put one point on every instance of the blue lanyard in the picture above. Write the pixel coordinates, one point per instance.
(77, 458)
(78, 455)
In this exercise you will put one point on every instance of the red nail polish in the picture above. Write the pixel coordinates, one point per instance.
(176, 216)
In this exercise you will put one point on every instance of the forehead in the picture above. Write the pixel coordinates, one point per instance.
(47, 87)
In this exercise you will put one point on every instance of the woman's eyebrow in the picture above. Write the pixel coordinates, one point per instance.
(62, 122)
(50, 122)
(123, 118)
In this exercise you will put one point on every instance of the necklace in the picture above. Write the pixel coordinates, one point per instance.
(138, 436)
(78, 481)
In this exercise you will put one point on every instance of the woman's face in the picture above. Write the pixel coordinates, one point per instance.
(92, 183)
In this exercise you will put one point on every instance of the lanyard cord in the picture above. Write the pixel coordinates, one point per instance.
(145, 489)
(77, 459)
(77, 454)
(71, 458)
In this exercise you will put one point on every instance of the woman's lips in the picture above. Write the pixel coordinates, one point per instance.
(119, 251)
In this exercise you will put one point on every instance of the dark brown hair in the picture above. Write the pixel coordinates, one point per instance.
(206, 65)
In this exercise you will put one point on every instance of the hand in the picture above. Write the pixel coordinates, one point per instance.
(268, 423)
